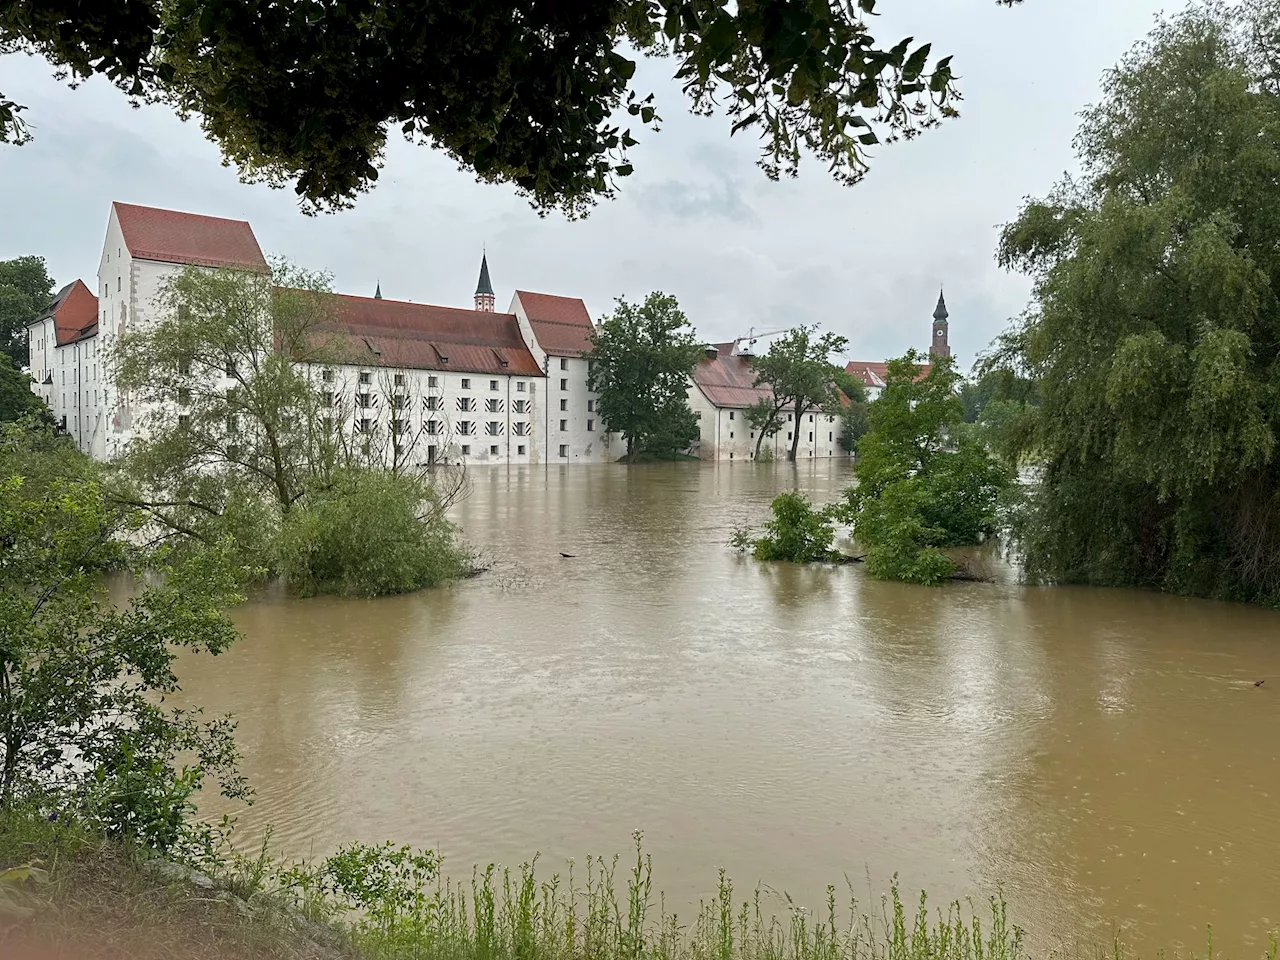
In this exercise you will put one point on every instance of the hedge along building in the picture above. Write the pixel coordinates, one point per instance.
(406, 365)
(723, 387)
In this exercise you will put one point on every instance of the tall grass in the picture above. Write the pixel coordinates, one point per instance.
(398, 906)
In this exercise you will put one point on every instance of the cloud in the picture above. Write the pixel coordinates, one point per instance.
(697, 201)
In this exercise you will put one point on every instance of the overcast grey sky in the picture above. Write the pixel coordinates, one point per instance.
(697, 219)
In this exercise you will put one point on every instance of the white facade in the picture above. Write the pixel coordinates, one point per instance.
(726, 434)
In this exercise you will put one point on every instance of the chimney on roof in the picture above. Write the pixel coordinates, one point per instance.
(939, 347)
(712, 352)
(484, 287)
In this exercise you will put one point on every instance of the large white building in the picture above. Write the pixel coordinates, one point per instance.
(444, 383)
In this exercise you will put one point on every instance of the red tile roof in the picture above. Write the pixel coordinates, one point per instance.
(561, 324)
(173, 237)
(392, 333)
(874, 374)
(728, 380)
(75, 313)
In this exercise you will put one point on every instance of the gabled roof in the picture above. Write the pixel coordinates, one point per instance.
(75, 314)
(173, 237)
(561, 324)
(392, 333)
(728, 380)
(874, 374)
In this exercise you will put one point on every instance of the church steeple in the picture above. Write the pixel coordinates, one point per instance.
(377, 293)
(939, 347)
(484, 288)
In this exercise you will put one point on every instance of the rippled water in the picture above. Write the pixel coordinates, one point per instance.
(1104, 756)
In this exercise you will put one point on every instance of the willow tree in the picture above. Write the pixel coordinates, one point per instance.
(526, 92)
(1154, 334)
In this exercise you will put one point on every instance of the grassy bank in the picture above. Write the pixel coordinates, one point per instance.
(104, 900)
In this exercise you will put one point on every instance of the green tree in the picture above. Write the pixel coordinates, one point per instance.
(16, 399)
(798, 371)
(765, 418)
(795, 532)
(923, 482)
(850, 405)
(640, 360)
(240, 433)
(83, 723)
(520, 91)
(1154, 334)
(26, 291)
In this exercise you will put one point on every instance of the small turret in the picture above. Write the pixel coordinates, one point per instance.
(377, 293)
(484, 288)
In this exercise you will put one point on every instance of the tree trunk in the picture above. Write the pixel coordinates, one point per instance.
(795, 434)
(633, 448)
(759, 441)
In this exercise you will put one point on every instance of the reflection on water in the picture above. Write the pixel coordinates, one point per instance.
(1102, 755)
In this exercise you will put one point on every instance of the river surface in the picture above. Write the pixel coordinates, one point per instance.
(1102, 756)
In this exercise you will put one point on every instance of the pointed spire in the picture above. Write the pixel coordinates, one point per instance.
(377, 294)
(484, 287)
(940, 311)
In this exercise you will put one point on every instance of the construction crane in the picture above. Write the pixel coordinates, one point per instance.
(751, 337)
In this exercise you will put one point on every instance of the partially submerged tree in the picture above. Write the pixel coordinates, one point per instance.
(798, 371)
(923, 482)
(26, 290)
(640, 360)
(1154, 334)
(519, 91)
(242, 430)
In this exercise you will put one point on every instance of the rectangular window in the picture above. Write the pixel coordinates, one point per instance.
(184, 395)
(493, 450)
(433, 403)
(730, 414)
(433, 427)
(788, 418)
(183, 420)
(519, 386)
(233, 425)
(564, 425)
(494, 405)
(464, 428)
(398, 427)
(493, 384)
(564, 450)
(520, 406)
(591, 405)
(184, 367)
(564, 384)
(365, 377)
(362, 400)
(730, 434)
(466, 404)
(811, 418)
(119, 281)
(811, 436)
(564, 404)
(399, 380)
(830, 437)
(520, 428)
(591, 426)
(433, 381)
(466, 449)
(466, 383)
(366, 425)
(564, 364)
(326, 375)
(493, 428)
(520, 450)
(397, 402)
(788, 436)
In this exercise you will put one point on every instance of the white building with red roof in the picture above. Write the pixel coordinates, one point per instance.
(441, 383)
(723, 387)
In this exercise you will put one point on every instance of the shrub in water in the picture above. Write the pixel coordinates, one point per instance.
(367, 534)
(796, 532)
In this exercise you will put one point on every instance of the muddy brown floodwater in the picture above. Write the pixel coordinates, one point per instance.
(1102, 756)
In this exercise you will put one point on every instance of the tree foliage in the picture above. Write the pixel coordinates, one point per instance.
(1154, 335)
(238, 435)
(16, 399)
(26, 290)
(850, 405)
(798, 371)
(520, 91)
(640, 360)
(83, 721)
(923, 482)
(795, 532)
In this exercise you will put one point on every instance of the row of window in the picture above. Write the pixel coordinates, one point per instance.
(398, 379)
